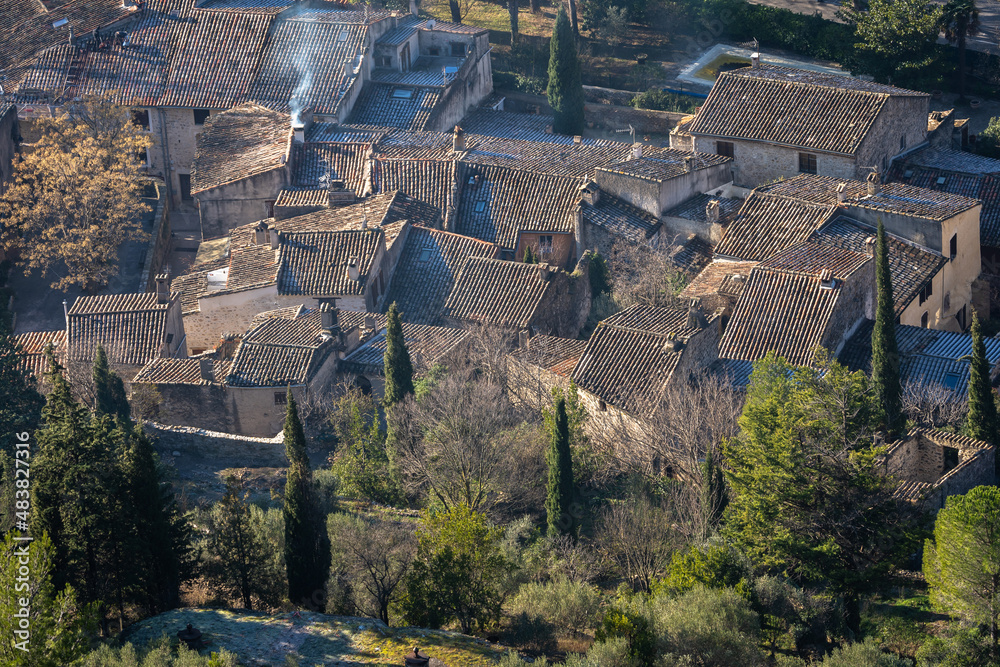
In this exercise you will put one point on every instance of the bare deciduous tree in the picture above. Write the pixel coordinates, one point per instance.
(639, 536)
(931, 404)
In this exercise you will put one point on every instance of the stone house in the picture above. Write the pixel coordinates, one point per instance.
(10, 143)
(932, 465)
(541, 363)
(347, 254)
(241, 387)
(516, 296)
(777, 122)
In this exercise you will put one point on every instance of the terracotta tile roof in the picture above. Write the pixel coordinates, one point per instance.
(504, 202)
(523, 126)
(344, 134)
(33, 346)
(252, 266)
(627, 361)
(554, 354)
(911, 266)
(406, 145)
(577, 161)
(690, 256)
(427, 269)
(811, 258)
(960, 162)
(316, 262)
(426, 344)
(664, 164)
(793, 107)
(416, 211)
(295, 196)
(736, 372)
(423, 72)
(381, 104)
(723, 277)
(131, 327)
(17, 11)
(898, 198)
(502, 293)
(280, 351)
(430, 181)
(694, 208)
(181, 371)
(768, 224)
(298, 47)
(316, 164)
(238, 143)
(621, 219)
(257, 6)
(786, 311)
(214, 69)
(404, 29)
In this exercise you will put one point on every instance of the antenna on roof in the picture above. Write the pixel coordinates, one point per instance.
(630, 129)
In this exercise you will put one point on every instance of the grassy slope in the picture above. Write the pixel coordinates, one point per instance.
(314, 639)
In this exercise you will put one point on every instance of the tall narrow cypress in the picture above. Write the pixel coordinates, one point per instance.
(981, 422)
(560, 489)
(20, 402)
(885, 351)
(307, 552)
(398, 367)
(109, 390)
(713, 493)
(565, 90)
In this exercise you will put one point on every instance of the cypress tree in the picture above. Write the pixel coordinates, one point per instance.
(398, 367)
(529, 255)
(560, 488)
(981, 422)
(565, 90)
(20, 403)
(109, 390)
(885, 352)
(713, 492)
(512, 10)
(307, 552)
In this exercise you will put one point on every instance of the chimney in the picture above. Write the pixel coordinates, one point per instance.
(413, 7)
(870, 246)
(227, 346)
(712, 211)
(66, 312)
(162, 289)
(874, 187)
(207, 369)
(522, 339)
(353, 271)
(841, 194)
(826, 280)
(687, 163)
(590, 192)
(370, 323)
(755, 60)
(328, 316)
(301, 123)
(260, 233)
(577, 140)
(696, 319)
(544, 272)
(636, 151)
(672, 344)
(459, 139)
(275, 238)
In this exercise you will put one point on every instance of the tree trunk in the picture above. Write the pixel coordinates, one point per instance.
(536, 6)
(572, 18)
(512, 9)
(456, 11)
(852, 613)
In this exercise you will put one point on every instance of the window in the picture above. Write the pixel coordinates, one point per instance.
(926, 292)
(343, 36)
(269, 207)
(480, 206)
(941, 180)
(950, 456)
(951, 380)
(141, 118)
(434, 51)
(960, 316)
(170, 338)
(185, 180)
(385, 61)
(724, 148)
(545, 244)
(457, 49)
(601, 405)
(807, 163)
(200, 116)
(280, 397)
(953, 246)
(425, 255)
(923, 320)
(402, 94)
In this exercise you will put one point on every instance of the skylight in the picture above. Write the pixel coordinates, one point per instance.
(480, 206)
(402, 94)
(343, 36)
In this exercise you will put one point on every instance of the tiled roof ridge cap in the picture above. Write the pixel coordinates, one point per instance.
(453, 234)
(535, 172)
(667, 335)
(745, 73)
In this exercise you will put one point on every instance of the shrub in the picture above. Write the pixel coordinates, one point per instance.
(989, 139)
(614, 652)
(158, 654)
(865, 654)
(569, 605)
(530, 632)
(660, 100)
(966, 648)
(631, 627)
(712, 565)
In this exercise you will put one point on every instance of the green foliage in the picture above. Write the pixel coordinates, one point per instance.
(981, 421)
(661, 100)
(459, 574)
(962, 563)
(714, 565)
(529, 256)
(989, 139)
(60, 629)
(560, 490)
(240, 562)
(109, 390)
(565, 89)
(807, 494)
(713, 491)
(885, 350)
(162, 653)
(894, 37)
(531, 632)
(361, 461)
(398, 367)
(600, 274)
(571, 606)
(307, 553)
(864, 654)
(613, 652)
(632, 627)
(967, 647)
(20, 402)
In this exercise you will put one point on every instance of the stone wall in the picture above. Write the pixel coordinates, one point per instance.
(563, 247)
(640, 192)
(566, 305)
(856, 302)
(757, 162)
(473, 83)
(899, 126)
(208, 444)
(159, 240)
(975, 469)
(10, 135)
(176, 126)
(239, 203)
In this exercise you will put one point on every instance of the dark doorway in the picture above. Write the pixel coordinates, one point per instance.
(185, 186)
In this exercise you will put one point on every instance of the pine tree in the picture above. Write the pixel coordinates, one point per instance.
(885, 352)
(239, 556)
(981, 422)
(109, 390)
(20, 402)
(565, 90)
(398, 367)
(307, 553)
(560, 489)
